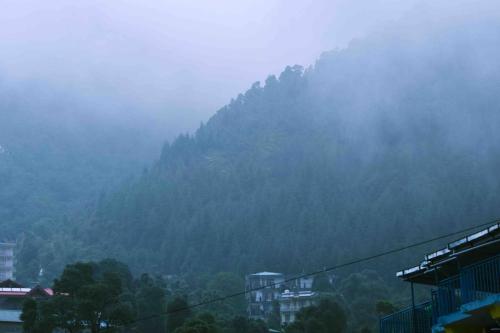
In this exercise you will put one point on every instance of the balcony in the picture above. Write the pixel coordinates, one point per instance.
(472, 292)
(475, 288)
(294, 308)
(409, 320)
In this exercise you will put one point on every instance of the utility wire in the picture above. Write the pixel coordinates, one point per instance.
(313, 273)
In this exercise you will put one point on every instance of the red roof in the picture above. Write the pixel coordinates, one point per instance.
(23, 292)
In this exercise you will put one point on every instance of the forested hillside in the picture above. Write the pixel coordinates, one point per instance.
(389, 141)
(57, 155)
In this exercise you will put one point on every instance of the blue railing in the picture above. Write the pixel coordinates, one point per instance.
(409, 320)
(474, 283)
(448, 296)
(480, 280)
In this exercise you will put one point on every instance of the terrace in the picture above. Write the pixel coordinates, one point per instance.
(466, 277)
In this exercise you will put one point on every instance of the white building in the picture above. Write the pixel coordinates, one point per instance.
(7, 261)
(292, 301)
(269, 292)
(263, 289)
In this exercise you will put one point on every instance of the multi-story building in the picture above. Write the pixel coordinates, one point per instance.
(263, 291)
(465, 276)
(292, 302)
(7, 261)
(269, 292)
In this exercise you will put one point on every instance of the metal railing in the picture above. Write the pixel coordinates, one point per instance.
(480, 280)
(474, 283)
(409, 320)
(448, 296)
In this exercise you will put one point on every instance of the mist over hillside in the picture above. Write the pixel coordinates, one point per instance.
(137, 196)
(60, 152)
(374, 146)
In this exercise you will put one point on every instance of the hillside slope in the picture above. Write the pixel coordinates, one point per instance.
(57, 155)
(386, 142)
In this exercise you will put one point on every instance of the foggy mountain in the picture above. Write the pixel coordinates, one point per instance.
(396, 132)
(180, 60)
(56, 157)
(137, 196)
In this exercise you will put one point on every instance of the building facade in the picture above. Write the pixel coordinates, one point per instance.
(6, 261)
(263, 292)
(465, 276)
(272, 293)
(292, 302)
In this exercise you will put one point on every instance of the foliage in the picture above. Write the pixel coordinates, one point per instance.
(44, 317)
(274, 319)
(57, 157)
(323, 283)
(88, 295)
(223, 284)
(241, 324)
(384, 308)
(326, 317)
(370, 149)
(151, 304)
(361, 292)
(203, 323)
(178, 313)
(320, 166)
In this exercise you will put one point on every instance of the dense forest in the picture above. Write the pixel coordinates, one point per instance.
(388, 141)
(56, 158)
(372, 147)
(108, 297)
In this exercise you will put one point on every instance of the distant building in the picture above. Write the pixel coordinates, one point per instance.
(12, 297)
(301, 284)
(292, 302)
(465, 276)
(261, 302)
(6, 261)
(275, 293)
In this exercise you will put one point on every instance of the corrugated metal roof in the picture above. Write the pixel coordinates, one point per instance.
(23, 291)
(26, 290)
(454, 248)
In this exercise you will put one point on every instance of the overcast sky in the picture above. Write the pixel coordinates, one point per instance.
(183, 58)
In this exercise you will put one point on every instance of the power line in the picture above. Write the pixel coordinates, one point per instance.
(314, 273)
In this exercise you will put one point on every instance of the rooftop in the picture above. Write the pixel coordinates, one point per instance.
(267, 274)
(446, 261)
(21, 292)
